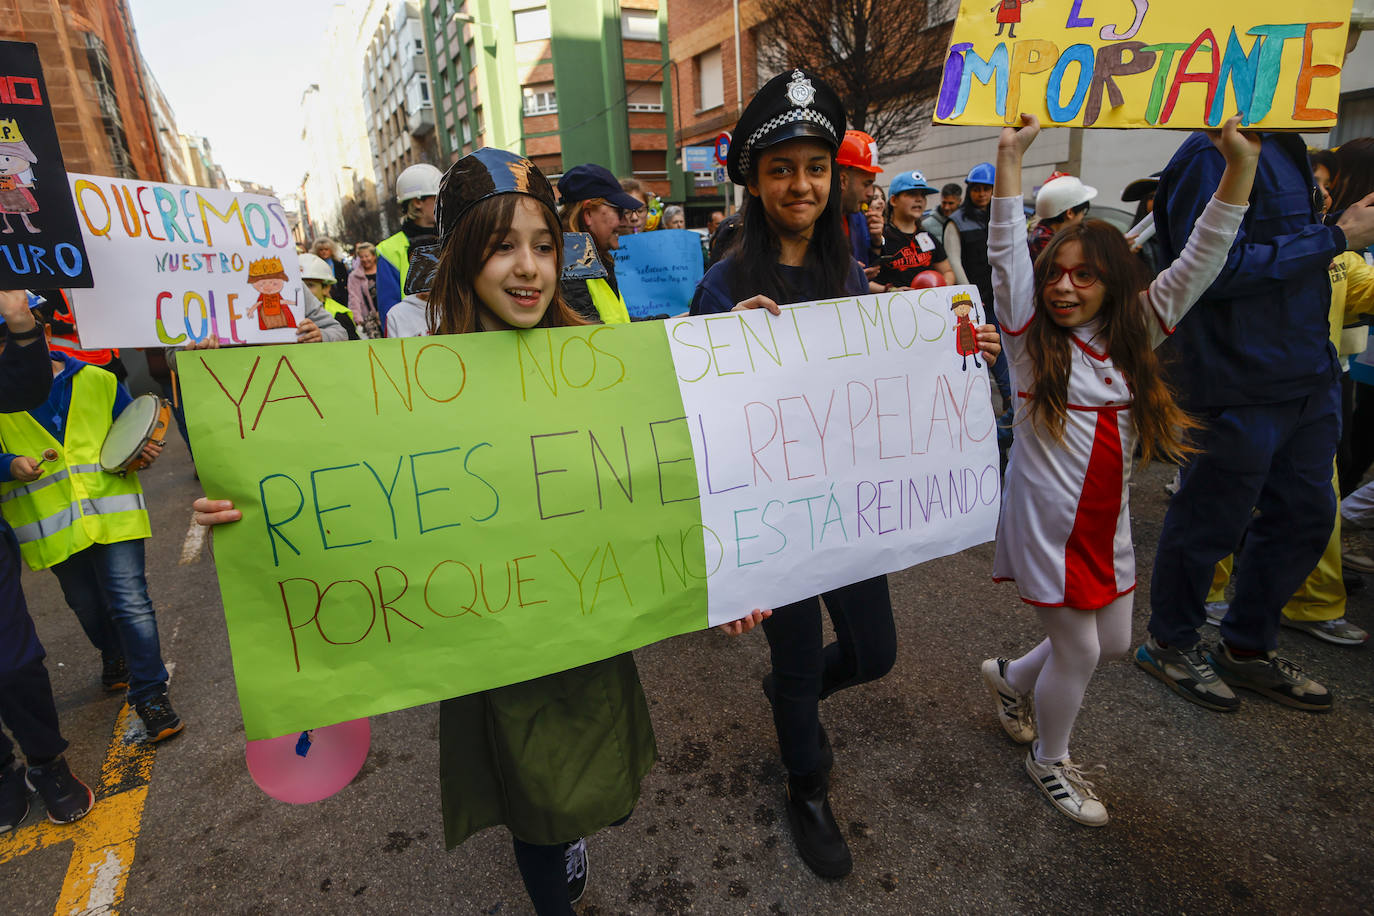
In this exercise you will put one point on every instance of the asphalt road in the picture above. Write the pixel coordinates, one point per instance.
(1265, 811)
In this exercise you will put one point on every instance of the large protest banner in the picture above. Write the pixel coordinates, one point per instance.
(176, 264)
(41, 244)
(431, 517)
(658, 271)
(1145, 63)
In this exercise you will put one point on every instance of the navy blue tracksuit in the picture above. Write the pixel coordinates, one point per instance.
(26, 703)
(1258, 370)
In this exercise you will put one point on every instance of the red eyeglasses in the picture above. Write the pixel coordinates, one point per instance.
(1080, 275)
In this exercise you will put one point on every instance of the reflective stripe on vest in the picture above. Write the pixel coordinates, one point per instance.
(49, 481)
(75, 504)
(610, 305)
(104, 505)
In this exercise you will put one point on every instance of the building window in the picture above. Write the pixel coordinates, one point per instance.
(639, 25)
(540, 99)
(1355, 117)
(647, 97)
(98, 59)
(710, 80)
(420, 46)
(467, 131)
(532, 24)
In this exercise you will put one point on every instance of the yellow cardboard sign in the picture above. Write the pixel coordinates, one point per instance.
(1146, 63)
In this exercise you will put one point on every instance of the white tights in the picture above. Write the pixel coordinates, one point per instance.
(1059, 668)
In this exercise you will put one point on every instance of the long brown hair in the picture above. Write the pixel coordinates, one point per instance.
(453, 306)
(1354, 173)
(1125, 336)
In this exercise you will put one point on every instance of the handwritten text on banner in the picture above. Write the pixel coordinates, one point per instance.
(1145, 63)
(427, 518)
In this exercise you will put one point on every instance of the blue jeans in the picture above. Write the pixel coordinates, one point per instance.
(104, 584)
(1272, 457)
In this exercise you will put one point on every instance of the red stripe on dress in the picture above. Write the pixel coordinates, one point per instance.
(1090, 554)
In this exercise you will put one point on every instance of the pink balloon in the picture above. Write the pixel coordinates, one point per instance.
(927, 278)
(305, 767)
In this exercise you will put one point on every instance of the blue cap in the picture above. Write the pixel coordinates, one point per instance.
(982, 173)
(586, 182)
(910, 181)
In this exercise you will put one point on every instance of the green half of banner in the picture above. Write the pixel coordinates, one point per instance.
(432, 517)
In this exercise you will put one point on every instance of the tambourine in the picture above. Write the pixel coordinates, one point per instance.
(145, 420)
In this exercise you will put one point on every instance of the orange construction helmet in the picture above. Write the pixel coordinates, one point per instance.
(859, 150)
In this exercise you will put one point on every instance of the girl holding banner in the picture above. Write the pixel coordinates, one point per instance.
(1082, 324)
(559, 757)
(792, 248)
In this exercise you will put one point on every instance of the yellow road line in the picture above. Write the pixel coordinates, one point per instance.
(103, 841)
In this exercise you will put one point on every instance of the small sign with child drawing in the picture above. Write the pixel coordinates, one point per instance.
(40, 244)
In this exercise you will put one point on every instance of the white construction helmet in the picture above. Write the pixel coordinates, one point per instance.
(420, 180)
(1060, 195)
(314, 268)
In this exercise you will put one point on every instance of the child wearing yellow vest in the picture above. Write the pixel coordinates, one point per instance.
(88, 527)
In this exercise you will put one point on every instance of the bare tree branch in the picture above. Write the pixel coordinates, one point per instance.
(879, 55)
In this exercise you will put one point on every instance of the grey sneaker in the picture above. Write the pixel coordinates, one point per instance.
(575, 861)
(1216, 610)
(1188, 673)
(1338, 632)
(1277, 678)
(1067, 786)
(1355, 553)
(1014, 710)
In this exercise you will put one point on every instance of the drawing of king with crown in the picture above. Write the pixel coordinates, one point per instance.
(267, 277)
(16, 177)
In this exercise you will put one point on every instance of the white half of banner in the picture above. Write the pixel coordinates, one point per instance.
(841, 440)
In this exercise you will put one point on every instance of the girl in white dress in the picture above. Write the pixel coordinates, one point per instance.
(1080, 326)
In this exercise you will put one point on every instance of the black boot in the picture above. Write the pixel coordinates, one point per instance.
(819, 841)
(770, 690)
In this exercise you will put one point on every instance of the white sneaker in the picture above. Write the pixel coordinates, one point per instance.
(1014, 710)
(1216, 610)
(575, 860)
(1068, 787)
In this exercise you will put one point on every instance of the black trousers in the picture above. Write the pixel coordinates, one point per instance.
(806, 671)
(27, 710)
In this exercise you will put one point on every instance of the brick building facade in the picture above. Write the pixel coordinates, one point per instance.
(95, 77)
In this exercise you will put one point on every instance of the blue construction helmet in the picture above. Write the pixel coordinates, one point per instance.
(982, 173)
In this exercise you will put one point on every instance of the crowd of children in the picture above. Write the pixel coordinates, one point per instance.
(1080, 312)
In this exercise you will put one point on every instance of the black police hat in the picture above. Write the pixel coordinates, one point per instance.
(789, 106)
(1140, 188)
(483, 174)
(585, 182)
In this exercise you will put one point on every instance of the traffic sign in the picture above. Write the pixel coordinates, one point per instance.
(722, 147)
(698, 158)
(720, 175)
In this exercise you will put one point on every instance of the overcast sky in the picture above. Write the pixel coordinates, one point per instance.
(235, 73)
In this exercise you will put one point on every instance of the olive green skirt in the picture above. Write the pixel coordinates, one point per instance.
(553, 759)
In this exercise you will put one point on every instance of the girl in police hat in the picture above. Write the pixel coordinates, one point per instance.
(792, 248)
(557, 758)
(1082, 323)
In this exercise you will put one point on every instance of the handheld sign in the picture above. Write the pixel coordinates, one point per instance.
(658, 271)
(1147, 63)
(40, 244)
(176, 264)
(431, 517)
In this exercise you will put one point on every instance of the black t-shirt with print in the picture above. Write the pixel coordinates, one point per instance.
(912, 253)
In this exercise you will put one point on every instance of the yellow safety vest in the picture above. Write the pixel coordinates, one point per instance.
(610, 305)
(395, 248)
(338, 308)
(74, 504)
